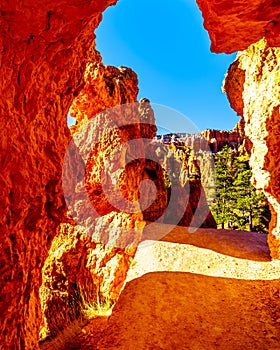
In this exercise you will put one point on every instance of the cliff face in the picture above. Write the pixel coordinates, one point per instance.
(183, 200)
(48, 57)
(235, 25)
(252, 85)
(44, 49)
(257, 71)
(217, 139)
(209, 139)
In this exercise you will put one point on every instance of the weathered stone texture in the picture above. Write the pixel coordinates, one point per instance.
(91, 256)
(217, 139)
(252, 85)
(181, 198)
(113, 136)
(257, 71)
(234, 25)
(44, 49)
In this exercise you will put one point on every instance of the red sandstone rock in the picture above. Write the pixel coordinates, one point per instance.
(94, 256)
(234, 25)
(252, 85)
(44, 49)
(256, 72)
(217, 139)
(80, 273)
(183, 201)
(91, 259)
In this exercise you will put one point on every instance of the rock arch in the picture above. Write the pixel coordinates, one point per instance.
(44, 50)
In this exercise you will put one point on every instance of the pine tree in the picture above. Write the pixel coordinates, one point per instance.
(238, 205)
(251, 207)
(224, 186)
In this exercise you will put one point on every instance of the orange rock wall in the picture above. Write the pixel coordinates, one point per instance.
(89, 263)
(252, 85)
(44, 49)
(217, 139)
(234, 25)
(258, 71)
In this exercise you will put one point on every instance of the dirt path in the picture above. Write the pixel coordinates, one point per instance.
(213, 289)
(169, 310)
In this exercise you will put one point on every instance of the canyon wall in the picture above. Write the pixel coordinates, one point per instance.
(48, 57)
(252, 85)
(89, 258)
(217, 139)
(185, 201)
(44, 49)
(209, 139)
(257, 71)
(234, 25)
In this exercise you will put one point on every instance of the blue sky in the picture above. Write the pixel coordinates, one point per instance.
(165, 43)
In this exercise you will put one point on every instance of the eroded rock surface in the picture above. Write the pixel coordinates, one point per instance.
(92, 253)
(217, 139)
(107, 177)
(234, 25)
(182, 184)
(252, 86)
(44, 49)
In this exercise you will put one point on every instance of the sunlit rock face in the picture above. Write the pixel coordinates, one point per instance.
(252, 85)
(217, 139)
(234, 25)
(44, 49)
(253, 88)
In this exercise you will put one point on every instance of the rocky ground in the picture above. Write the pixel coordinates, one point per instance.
(214, 289)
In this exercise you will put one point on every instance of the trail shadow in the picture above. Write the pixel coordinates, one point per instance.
(239, 244)
(169, 310)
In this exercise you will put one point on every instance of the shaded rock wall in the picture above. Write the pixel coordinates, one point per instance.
(44, 49)
(182, 200)
(258, 70)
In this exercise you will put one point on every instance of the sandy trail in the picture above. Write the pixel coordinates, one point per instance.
(212, 289)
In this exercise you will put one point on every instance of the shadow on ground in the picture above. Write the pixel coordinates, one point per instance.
(238, 244)
(169, 310)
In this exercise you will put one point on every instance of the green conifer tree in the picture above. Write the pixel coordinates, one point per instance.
(238, 205)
